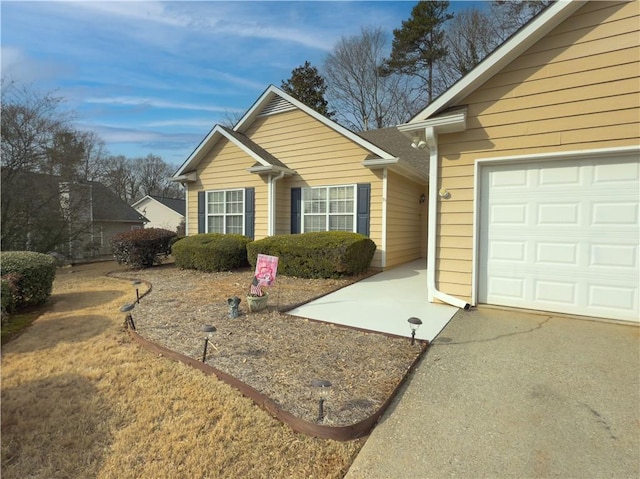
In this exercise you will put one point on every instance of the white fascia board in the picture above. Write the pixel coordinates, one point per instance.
(450, 122)
(185, 178)
(397, 165)
(195, 157)
(248, 151)
(271, 169)
(503, 55)
(211, 139)
(141, 200)
(272, 91)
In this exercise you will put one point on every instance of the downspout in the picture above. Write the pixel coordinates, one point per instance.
(383, 258)
(271, 231)
(433, 292)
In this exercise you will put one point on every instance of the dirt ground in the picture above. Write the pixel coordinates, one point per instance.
(81, 399)
(277, 354)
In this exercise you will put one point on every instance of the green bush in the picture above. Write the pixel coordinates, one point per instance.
(328, 254)
(211, 252)
(27, 276)
(141, 248)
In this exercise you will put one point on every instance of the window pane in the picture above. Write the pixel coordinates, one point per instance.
(234, 225)
(215, 224)
(314, 223)
(341, 199)
(234, 202)
(341, 223)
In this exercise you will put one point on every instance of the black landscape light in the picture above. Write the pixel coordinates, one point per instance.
(136, 284)
(208, 331)
(414, 324)
(128, 320)
(322, 388)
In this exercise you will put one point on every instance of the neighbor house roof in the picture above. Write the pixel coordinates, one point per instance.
(176, 204)
(513, 47)
(107, 206)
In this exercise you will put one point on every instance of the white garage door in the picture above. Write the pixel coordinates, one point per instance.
(562, 236)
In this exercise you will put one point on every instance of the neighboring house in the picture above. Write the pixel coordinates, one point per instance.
(78, 216)
(534, 167)
(166, 213)
(110, 215)
(286, 169)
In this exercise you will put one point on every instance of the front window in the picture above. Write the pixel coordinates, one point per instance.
(329, 208)
(225, 211)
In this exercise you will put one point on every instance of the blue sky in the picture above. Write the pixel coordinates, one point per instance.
(155, 77)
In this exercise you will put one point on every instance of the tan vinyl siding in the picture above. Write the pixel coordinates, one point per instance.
(576, 89)
(406, 220)
(321, 157)
(225, 167)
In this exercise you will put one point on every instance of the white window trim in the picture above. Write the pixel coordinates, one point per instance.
(225, 214)
(328, 214)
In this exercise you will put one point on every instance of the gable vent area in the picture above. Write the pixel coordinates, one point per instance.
(277, 105)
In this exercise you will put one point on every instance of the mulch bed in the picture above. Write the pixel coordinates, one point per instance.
(277, 354)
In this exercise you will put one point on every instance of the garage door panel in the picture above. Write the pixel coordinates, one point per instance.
(558, 213)
(562, 236)
(565, 176)
(614, 256)
(623, 214)
(551, 253)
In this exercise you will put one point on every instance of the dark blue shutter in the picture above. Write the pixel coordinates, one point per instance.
(249, 212)
(364, 197)
(201, 212)
(296, 210)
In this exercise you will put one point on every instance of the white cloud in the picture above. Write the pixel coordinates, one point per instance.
(153, 103)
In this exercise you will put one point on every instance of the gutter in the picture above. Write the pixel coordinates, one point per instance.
(447, 123)
(433, 292)
(271, 230)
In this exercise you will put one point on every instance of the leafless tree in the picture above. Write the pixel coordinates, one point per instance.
(469, 38)
(361, 96)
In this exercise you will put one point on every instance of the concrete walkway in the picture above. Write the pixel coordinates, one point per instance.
(383, 303)
(504, 394)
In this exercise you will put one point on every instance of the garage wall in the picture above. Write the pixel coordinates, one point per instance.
(576, 89)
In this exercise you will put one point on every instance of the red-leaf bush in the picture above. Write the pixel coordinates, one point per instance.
(142, 248)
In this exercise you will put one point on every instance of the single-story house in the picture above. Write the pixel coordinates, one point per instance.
(534, 168)
(166, 213)
(286, 169)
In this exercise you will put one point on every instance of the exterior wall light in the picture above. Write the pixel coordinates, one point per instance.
(414, 324)
(322, 388)
(208, 331)
(422, 198)
(418, 144)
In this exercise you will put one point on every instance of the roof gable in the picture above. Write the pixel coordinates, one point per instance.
(271, 102)
(518, 43)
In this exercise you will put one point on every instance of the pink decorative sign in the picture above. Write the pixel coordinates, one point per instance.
(266, 269)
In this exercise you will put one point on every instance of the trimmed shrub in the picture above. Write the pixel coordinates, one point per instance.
(141, 248)
(27, 276)
(328, 254)
(211, 252)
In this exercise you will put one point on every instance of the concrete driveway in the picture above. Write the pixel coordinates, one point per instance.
(503, 394)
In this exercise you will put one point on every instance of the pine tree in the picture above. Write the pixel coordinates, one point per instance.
(307, 86)
(420, 43)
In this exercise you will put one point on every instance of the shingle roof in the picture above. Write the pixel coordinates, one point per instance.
(176, 204)
(257, 149)
(107, 206)
(391, 140)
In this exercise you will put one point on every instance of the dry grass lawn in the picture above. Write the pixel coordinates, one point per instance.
(80, 400)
